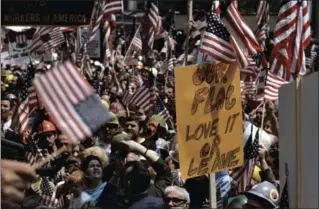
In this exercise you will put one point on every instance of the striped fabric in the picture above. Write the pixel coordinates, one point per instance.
(75, 108)
(28, 101)
(161, 110)
(36, 41)
(268, 86)
(218, 43)
(52, 39)
(291, 36)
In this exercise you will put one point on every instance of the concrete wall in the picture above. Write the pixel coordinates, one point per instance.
(307, 151)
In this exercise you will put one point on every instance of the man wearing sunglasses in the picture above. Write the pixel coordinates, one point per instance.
(176, 198)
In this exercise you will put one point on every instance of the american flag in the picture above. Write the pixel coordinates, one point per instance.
(291, 36)
(154, 21)
(80, 51)
(52, 39)
(263, 12)
(136, 41)
(242, 175)
(36, 40)
(114, 7)
(161, 110)
(99, 14)
(107, 36)
(135, 47)
(241, 29)
(107, 8)
(74, 106)
(263, 21)
(218, 43)
(154, 16)
(216, 7)
(28, 101)
(31, 150)
(168, 64)
(47, 193)
(249, 85)
(268, 86)
(144, 95)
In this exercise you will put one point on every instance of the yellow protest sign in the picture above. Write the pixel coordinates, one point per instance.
(209, 118)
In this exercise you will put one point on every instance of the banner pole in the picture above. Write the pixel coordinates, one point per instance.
(189, 19)
(212, 191)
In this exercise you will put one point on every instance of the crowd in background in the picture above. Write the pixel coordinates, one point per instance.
(132, 161)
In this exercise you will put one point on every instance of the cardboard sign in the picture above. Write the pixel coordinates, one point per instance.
(94, 48)
(209, 118)
(46, 12)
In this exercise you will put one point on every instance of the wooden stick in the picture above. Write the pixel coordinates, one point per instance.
(189, 19)
(258, 106)
(212, 191)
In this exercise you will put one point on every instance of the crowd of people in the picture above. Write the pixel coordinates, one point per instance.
(132, 162)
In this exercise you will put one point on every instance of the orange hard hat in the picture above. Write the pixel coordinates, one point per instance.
(46, 126)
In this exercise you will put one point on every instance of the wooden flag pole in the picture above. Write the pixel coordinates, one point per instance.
(298, 142)
(189, 19)
(212, 191)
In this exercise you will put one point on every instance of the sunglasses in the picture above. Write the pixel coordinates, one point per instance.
(175, 200)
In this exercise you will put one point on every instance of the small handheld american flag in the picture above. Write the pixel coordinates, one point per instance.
(76, 109)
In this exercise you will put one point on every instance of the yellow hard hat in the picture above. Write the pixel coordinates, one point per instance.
(256, 175)
(114, 120)
(139, 65)
(105, 103)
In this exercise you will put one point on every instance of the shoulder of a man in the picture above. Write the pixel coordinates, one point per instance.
(149, 202)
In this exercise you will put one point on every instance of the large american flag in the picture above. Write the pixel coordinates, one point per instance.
(268, 86)
(291, 36)
(218, 43)
(75, 108)
(28, 101)
(242, 175)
